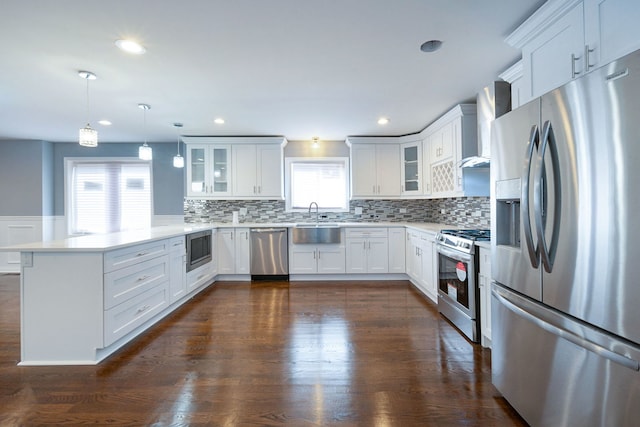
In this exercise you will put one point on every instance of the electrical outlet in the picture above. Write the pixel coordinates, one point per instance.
(403, 210)
(358, 210)
(243, 211)
(442, 211)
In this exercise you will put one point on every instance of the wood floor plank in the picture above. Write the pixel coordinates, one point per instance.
(267, 354)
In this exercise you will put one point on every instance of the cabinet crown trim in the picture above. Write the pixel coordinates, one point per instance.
(235, 140)
(513, 73)
(539, 21)
(458, 111)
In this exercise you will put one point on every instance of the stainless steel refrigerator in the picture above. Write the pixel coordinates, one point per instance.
(565, 206)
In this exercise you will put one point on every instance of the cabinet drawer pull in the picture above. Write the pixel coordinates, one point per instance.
(177, 244)
(142, 253)
(143, 278)
(143, 308)
(200, 277)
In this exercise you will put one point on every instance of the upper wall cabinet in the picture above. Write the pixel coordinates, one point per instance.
(566, 39)
(375, 167)
(208, 170)
(235, 168)
(257, 171)
(411, 163)
(450, 139)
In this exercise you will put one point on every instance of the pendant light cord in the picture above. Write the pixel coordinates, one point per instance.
(88, 114)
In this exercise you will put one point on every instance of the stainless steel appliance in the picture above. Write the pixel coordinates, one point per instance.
(269, 253)
(198, 249)
(491, 102)
(458, 292)
(565, 219)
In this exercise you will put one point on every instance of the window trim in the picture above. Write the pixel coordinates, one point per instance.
(68, 164)
(287, 180)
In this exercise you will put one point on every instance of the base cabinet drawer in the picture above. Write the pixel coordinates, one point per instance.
(199, 276)
(125, 257)
(127, 316)
(120, 285)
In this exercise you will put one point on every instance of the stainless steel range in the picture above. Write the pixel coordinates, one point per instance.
(458, 292)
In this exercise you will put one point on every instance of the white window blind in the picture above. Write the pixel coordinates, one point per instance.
(108, 196)
(322, 181)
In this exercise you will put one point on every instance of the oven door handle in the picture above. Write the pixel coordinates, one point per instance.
(454, 254)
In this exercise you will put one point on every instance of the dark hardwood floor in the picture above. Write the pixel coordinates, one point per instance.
(267, 354)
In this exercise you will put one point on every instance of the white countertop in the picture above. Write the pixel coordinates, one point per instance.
(105, 242)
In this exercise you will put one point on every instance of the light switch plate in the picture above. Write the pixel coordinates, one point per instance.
(403, 210)
(358, 210)
(243, 211)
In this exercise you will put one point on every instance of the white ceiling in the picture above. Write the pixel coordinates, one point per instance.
(298, 68)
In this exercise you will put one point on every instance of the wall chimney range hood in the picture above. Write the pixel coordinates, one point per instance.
(492, 102)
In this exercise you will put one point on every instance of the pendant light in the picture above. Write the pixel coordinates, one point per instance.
(178, 160)
(144, 151)
(87, 136)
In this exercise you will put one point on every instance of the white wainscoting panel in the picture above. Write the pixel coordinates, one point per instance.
(16, 230)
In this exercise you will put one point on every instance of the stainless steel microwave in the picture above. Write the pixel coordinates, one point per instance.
(198, 249)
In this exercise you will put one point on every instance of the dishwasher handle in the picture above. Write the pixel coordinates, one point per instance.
(268, 230)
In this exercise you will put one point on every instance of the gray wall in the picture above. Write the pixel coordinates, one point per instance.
(32, 175)
(25, 184)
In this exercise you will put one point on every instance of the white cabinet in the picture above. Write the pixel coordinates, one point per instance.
(484, 279)
(242, 251)
(177, 269)
(208, 170)
(235, 167)
(555, 56)
(233, 251)
(565, 39)
(421, 259)
(225, 243)
(450, 139)
(317, 258)
(367, 250)
(397, 250)
(257, 171)
(411, 168)
(375, 169)
(611, 30)
(136, 287)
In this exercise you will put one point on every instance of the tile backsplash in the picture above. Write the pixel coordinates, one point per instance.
(471, 212)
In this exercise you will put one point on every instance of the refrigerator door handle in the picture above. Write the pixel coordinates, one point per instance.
(547, 251)
(533, 249)
(564, 333)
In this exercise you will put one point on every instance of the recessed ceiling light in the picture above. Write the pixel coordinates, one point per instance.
(219, 121)
(431, 46)
(383, 120)
(130, 46)
(104, 122)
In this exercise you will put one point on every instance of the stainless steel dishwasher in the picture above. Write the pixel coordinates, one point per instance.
(269, 253)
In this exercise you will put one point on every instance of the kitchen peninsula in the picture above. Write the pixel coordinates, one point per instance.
(83, 298)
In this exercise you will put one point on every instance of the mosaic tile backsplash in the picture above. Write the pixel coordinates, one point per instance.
(470, 212)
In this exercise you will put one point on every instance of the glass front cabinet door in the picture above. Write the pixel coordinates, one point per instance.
(411, 168)
(208, 170)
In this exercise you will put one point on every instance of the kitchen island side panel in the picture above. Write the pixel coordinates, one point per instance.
(61, 307)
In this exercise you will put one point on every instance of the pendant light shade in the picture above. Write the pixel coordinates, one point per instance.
(87, 136)
(178, 160)
(144, 151)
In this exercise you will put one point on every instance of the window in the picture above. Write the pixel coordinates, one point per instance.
(321, 180)
(105, 196)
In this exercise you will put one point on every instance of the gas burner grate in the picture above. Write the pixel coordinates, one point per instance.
(474, 234)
